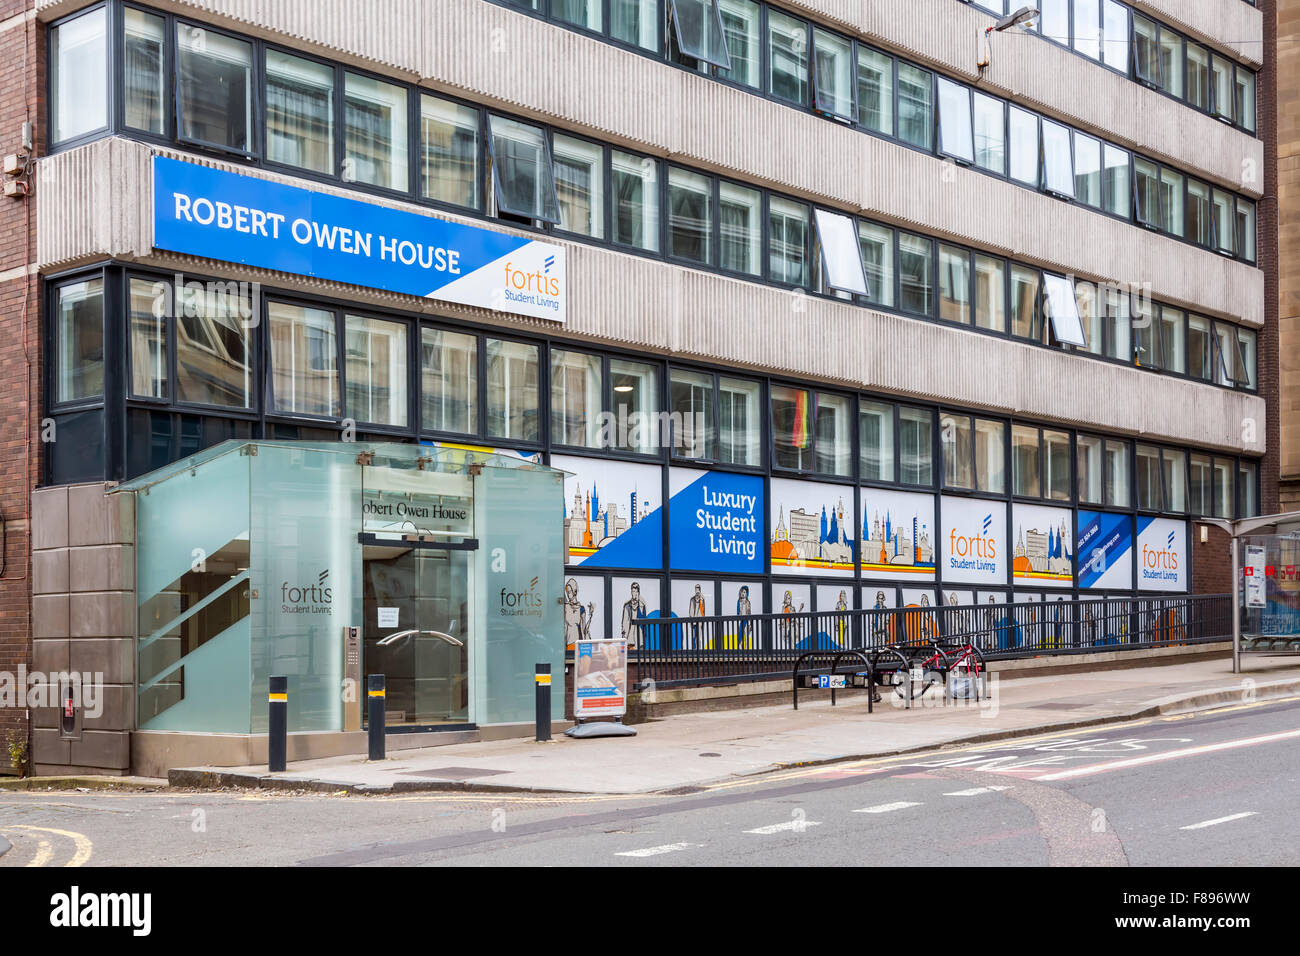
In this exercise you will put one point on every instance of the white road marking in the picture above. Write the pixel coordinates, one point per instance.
(657, 850)
(1217, 821)
(795, 825)
(975, 792)
(1170, 755)
(888, 807)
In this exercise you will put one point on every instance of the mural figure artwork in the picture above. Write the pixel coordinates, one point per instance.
(577, 619)
(634, 609)
(697, 609)
(789, 629)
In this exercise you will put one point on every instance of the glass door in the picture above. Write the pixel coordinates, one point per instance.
(416, 631)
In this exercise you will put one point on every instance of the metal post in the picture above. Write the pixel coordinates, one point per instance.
(277, 744)
(375, 693)
(542, 681)
(1236, 609)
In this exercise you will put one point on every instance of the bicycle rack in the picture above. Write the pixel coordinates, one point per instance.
(836, 656)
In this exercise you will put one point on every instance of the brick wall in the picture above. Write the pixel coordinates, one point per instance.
(21, 98)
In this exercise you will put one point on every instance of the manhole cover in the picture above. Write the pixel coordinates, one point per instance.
(453, 773)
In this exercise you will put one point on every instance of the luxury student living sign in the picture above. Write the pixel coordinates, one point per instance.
(216, 214)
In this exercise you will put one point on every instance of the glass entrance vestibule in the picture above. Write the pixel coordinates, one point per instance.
(440, 568)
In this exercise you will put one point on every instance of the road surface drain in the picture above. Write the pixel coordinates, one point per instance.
(1057, 706)
(454, 773)
(710, 755)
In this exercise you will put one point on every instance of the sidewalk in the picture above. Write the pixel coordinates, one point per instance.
(696, 749)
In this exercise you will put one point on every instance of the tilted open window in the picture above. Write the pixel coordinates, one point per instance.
(841, 254)
(522, 171)
(698, 26)
(1063, 309)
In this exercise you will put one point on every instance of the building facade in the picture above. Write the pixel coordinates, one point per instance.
(811, 309)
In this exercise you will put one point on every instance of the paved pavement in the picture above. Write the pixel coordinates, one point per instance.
(697, 749)
(1210, 788)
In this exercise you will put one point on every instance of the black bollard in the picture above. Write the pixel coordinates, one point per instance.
(277, 744)
(542, 681)
(378, 716)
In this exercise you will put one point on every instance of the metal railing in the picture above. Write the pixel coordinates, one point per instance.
(764, 646)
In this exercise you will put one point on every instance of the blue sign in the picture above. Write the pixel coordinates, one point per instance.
(1105, 550)
(715, 523)
(216, 214)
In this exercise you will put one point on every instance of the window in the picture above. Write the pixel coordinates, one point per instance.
(1115, 187)
(521, 162)
(1246, 360)
(1087, 170)
(915, 265)
(740, 219)
(79, 341)
(1117, 471)
(635, 184)
(375, 370)
(958, 458)
(876, 439)
(1246, 229)
(740, 26)
(792, 427)
(576, 398)
(1056, 462)
(1224, 491)
(1089, 470)
(1054, 20)
(739, 422)
(213, 354)
(875, 91)
(841, 254)
(690, 215)
(1146, 336)
(299, 112)
(1225, 344)
(1225, 224)
(1198, 76)
(954, 284)
(1248, 488)
(691, 398)
(1146, 49)
(1058, 163)
(580, 185)
(512, 391)
(990, 293)
(1146, 192)
(215, 89)
(833, 74)
(1063, 310)
(990, 135)
(1114, 304)
(877, 244)
(915, 106)
(635, 388)
(1172, 218)
(1200, 214)
(580, 13)
(787, 51)
(1150, 496)
(143, 88)
(449, 143)
(449, 381)
(1200, 348)
(1171, 62)
(1173, 340)
(834, 434)
(635, 22)
(1221, 87)
(787, 225)
(1245, 102)
(1200, 485)
(955, 136)
(1087, 28)
(1115, 35)
(915, 446)
(375, 145)
(1024, 303)
(1025, 461)
(1024, 147)
(1175, 464)
(148, 340)
(79, 75)
(304, 360)
(698, 29)
(990, 456)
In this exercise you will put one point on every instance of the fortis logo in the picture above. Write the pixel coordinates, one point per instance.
(1165, 559)
(980, 545)
(318, 593)
(521, 601)
(539, 282)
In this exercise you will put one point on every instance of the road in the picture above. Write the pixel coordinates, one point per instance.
(1210, 789)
